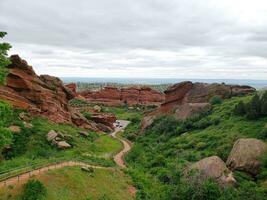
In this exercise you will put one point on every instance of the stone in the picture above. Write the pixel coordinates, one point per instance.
(245, 155)
(214, 167)
(51, 135)
(24, 116)
(63, 145)
(14, 129)
(84, 133)
(27, 125)
(97, 108)
(87, 169)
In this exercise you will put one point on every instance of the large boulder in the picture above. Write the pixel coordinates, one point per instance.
(214, 168)
(245, 155)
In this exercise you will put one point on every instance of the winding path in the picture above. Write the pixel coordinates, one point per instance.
(118, 158)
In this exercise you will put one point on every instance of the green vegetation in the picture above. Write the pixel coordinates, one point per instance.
(161, 153)
(4, 61)
(253, 109)
(71, 183)
(78, 102)
(30, 147)
(34, 190)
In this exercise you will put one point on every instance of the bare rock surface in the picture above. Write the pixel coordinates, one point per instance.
(245, 155)
(213, 167)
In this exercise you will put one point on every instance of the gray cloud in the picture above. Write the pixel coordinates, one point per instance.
(141, 38)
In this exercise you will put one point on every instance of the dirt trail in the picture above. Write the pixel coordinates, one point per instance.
(118, 158)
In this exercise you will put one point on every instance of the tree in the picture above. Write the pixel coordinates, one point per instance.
(4, 61)
(254, 107)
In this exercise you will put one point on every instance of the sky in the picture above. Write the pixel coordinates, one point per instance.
(211, 39)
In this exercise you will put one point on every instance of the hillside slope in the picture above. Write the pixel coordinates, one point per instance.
(161, 154)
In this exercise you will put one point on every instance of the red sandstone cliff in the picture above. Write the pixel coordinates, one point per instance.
(186, 98)
(40, 95)
(131, 96)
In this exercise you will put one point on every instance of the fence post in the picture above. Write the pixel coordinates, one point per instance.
(18, 178)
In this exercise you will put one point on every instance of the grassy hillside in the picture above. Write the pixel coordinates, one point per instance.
(71, 183)
(30, 145)
(159, 155)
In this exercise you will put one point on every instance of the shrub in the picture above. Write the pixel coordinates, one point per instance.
(254, 108)
(87, 115)
(78, 102)
(216, 100)
(240, 108)
(34, 190)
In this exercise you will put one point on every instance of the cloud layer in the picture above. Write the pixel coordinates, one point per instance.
(140, 38)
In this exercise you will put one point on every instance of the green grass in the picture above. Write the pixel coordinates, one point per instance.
(71, 183)
(30, 146)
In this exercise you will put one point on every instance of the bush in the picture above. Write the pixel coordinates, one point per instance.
(34, 190)
(87, 115)
(78, 102)
(240, 108)
(216, 100)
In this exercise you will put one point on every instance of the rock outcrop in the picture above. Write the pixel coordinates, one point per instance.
(58, 139)
(131, 96)
(186, 99)
(107, 119)
(72, 87)
(213, 167)
(40, 95)
(188, 92)
(245, 155)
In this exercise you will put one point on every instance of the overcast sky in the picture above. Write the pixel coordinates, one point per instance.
(140, 38)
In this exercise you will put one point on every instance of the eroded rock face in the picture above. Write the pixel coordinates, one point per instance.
(44, 95)
(72, 87)
(131, 96)
(189, 109)
(40, 95)
(107, 119)
(213, 167)
(245, 155)
(188, 92)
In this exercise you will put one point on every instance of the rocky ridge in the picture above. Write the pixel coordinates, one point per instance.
(114, 96)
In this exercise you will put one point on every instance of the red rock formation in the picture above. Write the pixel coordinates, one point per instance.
(186, 98)
(72, 87)
(107, 119)
(131, 96)
(188, 92)
(40, 95)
